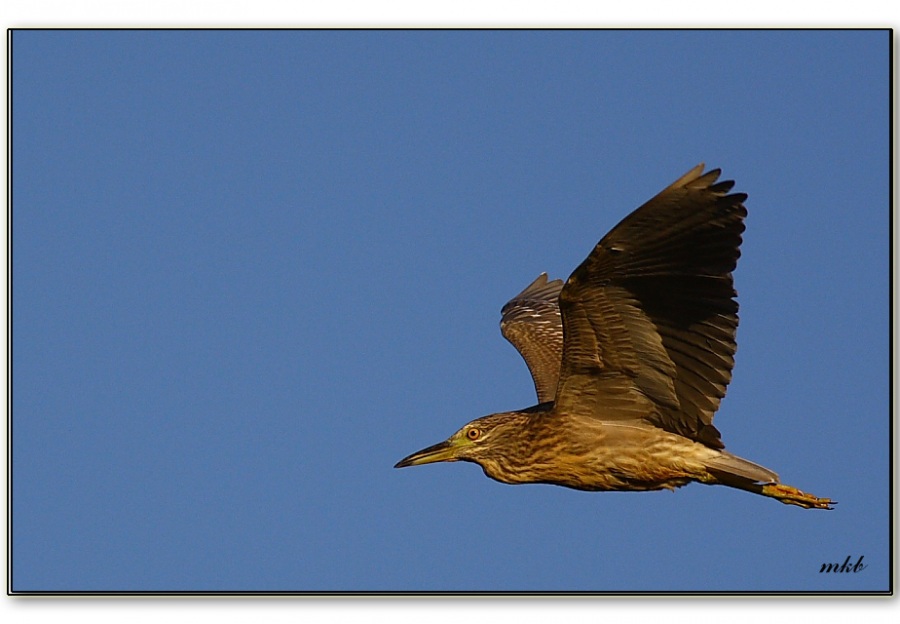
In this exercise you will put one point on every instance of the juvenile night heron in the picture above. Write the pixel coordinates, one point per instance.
(630, 359)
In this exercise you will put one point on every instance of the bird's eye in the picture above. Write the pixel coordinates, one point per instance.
(473, 434)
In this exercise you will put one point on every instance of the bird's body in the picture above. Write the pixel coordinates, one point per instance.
(590, 454)
(630, 359)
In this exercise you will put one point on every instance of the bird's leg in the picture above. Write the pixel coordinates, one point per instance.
(792, 496)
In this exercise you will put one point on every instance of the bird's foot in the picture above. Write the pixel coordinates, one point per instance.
(792, 496)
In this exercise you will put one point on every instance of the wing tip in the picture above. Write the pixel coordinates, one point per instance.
(690, 176)
(541, 288)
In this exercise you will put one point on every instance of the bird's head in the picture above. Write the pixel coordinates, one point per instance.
(483, 441)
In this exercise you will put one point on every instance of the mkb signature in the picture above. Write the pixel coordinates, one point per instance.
(859, 566)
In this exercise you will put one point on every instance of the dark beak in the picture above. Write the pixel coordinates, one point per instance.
(440, 452)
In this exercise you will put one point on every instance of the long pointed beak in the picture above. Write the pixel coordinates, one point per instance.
(440, 452)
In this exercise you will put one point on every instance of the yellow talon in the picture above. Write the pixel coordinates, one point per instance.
(792, 496)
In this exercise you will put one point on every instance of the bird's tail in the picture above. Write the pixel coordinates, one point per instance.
(737, 472)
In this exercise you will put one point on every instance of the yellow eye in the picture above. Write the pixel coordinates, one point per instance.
(473, 433)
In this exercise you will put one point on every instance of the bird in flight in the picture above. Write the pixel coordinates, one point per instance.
(630, 359)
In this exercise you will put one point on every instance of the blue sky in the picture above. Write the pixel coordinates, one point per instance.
(252, 270)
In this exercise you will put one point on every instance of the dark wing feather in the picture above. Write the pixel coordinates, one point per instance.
(531, 322)
(650, 317)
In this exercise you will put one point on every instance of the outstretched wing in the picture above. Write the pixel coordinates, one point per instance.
(650, 317)
(531, 322)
